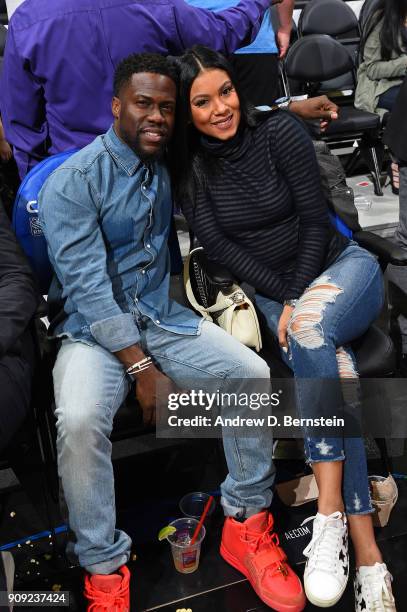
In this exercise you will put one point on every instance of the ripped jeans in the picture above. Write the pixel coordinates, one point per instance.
(335, 309)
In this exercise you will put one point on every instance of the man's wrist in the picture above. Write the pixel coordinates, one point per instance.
(130, 355)
(288, 102)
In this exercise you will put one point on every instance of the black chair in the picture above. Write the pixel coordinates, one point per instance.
(333, 17)
(338, 20)
(315, 59)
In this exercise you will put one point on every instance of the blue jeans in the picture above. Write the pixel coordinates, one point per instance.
(90, 384)
(388, 98)
(337, 308)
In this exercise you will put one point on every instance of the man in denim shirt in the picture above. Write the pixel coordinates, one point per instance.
(106, 215)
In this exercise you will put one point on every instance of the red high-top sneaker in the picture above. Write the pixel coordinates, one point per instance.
(253, 549)
(109, 593)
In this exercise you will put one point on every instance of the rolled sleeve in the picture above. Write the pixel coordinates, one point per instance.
(116, 333)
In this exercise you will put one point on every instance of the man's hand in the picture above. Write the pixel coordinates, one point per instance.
(283, 325)
(149, 385)
(5, 150)
(148, 382)
(321, 108)
(283, 41)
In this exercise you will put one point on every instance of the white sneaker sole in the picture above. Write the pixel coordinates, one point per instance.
(324, 603)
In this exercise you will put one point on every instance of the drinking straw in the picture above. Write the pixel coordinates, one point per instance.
(201, 520)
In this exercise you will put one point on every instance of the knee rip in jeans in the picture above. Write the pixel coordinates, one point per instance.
(305, 324)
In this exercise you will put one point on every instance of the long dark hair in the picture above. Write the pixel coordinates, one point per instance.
(393, 13)
(191, 166)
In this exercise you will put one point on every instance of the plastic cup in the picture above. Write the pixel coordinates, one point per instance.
(186, 557)
(362, 202)
(192, 505)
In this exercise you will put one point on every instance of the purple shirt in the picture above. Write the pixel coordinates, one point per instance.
(60, 57)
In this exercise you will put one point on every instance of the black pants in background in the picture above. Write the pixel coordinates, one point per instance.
(15, 391)
(395, 134)
(257, 74)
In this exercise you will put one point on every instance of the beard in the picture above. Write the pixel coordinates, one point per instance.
(145, 156)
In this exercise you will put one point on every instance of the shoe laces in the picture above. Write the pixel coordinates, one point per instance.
(268, 538)
(321, 551)
(110, 601)
(377, 590)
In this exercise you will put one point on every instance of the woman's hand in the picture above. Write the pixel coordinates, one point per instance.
(283, 325)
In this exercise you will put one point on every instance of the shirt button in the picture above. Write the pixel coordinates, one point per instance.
(143, 271)
(136, 300)
(158, 322)
(148, 245)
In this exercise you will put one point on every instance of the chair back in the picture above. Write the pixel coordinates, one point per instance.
(317, 58)
(333, 17)
(26, 223)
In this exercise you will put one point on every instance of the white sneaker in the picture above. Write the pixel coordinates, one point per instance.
(373, 589)
(327, 568)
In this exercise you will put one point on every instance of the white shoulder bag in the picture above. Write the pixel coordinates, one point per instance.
(232, 311)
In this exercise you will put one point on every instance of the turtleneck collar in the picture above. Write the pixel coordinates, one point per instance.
(231, 149)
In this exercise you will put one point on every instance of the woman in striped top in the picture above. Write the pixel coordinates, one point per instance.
(249, 186)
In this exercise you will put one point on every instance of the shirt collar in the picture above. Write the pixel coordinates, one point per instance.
(121, 152)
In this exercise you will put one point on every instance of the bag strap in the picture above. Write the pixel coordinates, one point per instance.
(236, 297)
(188, 287)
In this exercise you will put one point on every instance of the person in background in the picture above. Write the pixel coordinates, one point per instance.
(383, 57)
(395, 137)
(18, 302)
(59, 61)
(256, 64)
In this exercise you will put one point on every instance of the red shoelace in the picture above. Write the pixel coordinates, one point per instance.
(267, 537)
(112, 602)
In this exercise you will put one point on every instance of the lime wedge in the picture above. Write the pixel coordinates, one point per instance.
(165, 532)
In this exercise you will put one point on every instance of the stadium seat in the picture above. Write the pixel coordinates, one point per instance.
(312, 61)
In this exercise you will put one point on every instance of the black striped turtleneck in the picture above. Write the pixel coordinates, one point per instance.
(263, 214)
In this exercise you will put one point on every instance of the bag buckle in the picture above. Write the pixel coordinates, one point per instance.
(238, 297)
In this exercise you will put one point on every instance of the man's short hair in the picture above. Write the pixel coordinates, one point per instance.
(142, 62)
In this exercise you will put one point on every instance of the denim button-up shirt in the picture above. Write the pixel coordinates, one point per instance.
(106, 217)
